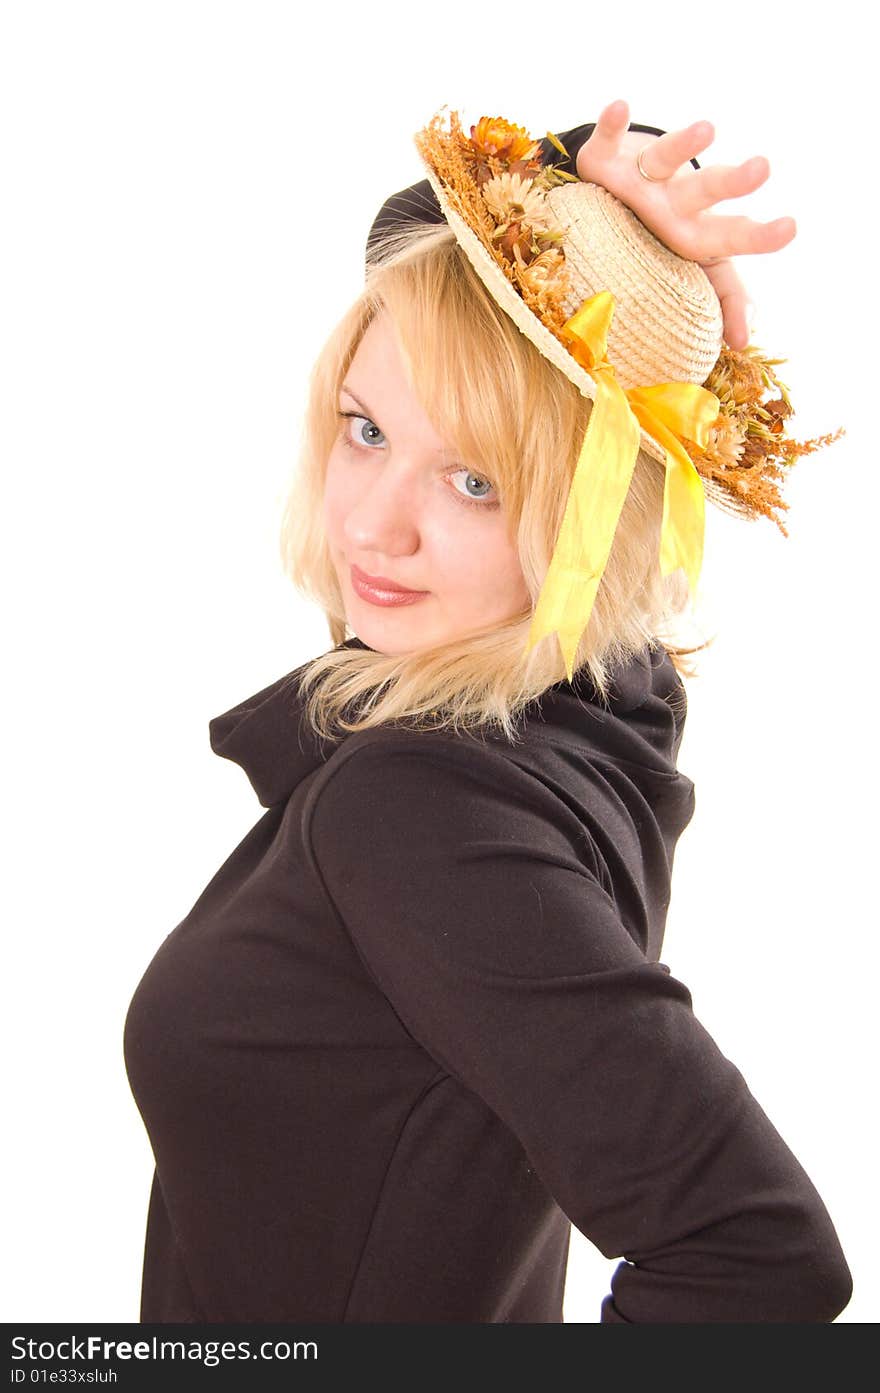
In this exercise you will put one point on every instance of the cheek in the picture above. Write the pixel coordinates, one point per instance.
(334, 501)
(488, 567)
(512, 582)
(508, 581)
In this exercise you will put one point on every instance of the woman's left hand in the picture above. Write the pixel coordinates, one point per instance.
(674, 207)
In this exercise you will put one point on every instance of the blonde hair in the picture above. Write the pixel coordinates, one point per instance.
(507, 411)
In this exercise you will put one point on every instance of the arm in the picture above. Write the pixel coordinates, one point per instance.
(674, 205)
(505, 958)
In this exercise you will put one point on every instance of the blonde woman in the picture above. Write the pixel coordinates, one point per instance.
(417, 1025)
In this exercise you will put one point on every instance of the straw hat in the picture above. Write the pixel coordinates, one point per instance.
(638, 330)
(667, 324)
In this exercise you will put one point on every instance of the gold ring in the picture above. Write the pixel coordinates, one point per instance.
(654, 179)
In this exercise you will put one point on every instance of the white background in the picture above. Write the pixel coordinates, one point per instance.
(187, 188)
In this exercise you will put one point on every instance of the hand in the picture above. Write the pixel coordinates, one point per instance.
(675, 208)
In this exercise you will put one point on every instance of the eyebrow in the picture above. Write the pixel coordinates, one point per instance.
(346, 388)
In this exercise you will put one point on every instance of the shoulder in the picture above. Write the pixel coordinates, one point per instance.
(378, 763)
(445, 790)
(423, 766)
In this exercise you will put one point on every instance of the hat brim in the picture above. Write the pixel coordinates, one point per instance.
(511, 302)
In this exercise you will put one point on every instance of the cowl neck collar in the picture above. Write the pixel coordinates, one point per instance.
(268, 737)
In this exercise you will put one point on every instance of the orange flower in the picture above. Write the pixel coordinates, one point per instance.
(494, 136)
(496, 145)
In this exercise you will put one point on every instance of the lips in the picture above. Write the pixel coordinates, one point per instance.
(383, 583)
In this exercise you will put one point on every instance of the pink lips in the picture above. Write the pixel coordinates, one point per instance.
(381, 591)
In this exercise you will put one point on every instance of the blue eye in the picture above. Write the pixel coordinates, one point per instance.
(361, 436)
(469, 474)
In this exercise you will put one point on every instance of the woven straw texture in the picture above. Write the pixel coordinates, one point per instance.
(667, 324)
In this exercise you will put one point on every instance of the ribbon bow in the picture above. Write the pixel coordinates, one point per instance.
(602, 478)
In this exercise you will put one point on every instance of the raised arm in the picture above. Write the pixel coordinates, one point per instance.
(673, 203)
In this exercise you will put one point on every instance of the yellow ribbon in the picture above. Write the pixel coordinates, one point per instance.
(602, 478)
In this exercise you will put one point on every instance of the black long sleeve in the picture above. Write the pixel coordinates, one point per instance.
(479, 909)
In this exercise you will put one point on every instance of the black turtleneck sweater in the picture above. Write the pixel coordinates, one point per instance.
(416, 1025)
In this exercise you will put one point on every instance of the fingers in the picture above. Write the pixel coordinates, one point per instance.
(667, 153)
(734, 302)
(715, 236)
(705, 187)
(736, 330)
(611, 124)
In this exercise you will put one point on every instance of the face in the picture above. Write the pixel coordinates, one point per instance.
(399, 505)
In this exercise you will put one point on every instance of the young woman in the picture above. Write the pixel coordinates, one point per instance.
(417, 1024)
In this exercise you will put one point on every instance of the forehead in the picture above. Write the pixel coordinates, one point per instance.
(379, 350)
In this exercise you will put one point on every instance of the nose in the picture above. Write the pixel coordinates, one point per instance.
(383, 520)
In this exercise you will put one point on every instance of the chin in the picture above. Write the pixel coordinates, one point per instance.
(376, 635)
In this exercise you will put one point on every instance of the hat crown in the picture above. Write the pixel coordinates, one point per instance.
(667, 324)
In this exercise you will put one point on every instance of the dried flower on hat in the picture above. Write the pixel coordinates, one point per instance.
(504, 159)
(748, 449)
(513, 198)
(495, 141)
(541, 274)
